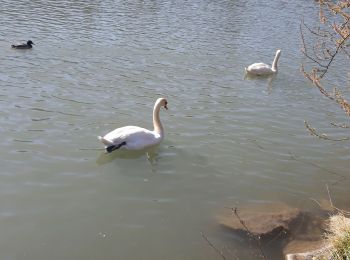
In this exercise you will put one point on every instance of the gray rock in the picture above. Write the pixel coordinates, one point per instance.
(262, 220)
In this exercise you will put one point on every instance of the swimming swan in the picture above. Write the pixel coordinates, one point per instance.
(134, 137)
(262, 68)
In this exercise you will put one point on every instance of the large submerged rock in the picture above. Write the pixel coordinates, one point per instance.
(297, 234)
(262, 220)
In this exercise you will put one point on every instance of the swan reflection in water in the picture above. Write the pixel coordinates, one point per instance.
(151, 154)
(268, 78)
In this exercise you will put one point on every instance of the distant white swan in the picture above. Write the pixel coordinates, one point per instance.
(134, 137)
(262, 68)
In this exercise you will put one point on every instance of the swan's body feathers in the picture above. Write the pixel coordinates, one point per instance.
(259, 69)
(134, 137)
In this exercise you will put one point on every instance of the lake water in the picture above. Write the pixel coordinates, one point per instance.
(98, 65)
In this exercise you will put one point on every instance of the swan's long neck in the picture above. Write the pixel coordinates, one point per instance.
(275, 61)
(158, 128)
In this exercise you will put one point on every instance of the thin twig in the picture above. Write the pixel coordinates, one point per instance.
(341, 126)
(294, 157)
(323, 136)
(213, 246)
(256, 238)
(337, 97)
(318, 203)
(304, 49)
(313, 78)
(329, 196)
(340, 45)
(334, 207)
(326, 35)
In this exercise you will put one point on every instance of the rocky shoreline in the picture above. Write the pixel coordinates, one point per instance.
(298, 234)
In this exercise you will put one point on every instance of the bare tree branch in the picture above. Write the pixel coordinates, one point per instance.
(322, 136)
(304, 49)
(331, 38)
(341, 126)
(340, 45)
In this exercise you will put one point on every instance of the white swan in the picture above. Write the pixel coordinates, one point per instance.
(262, 68)
(134, 137)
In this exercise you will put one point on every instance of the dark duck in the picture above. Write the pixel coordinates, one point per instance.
(27, 45)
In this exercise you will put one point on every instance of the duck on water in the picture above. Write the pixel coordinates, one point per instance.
(27, 45)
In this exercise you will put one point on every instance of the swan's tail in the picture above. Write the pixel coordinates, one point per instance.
(104, 141)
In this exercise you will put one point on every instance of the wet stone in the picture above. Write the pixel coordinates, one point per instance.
(262, 220)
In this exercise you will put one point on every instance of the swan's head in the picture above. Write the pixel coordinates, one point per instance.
(162, 102)
(278, 52)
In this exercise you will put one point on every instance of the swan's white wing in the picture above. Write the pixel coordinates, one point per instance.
(135, 137)
(259, 69)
